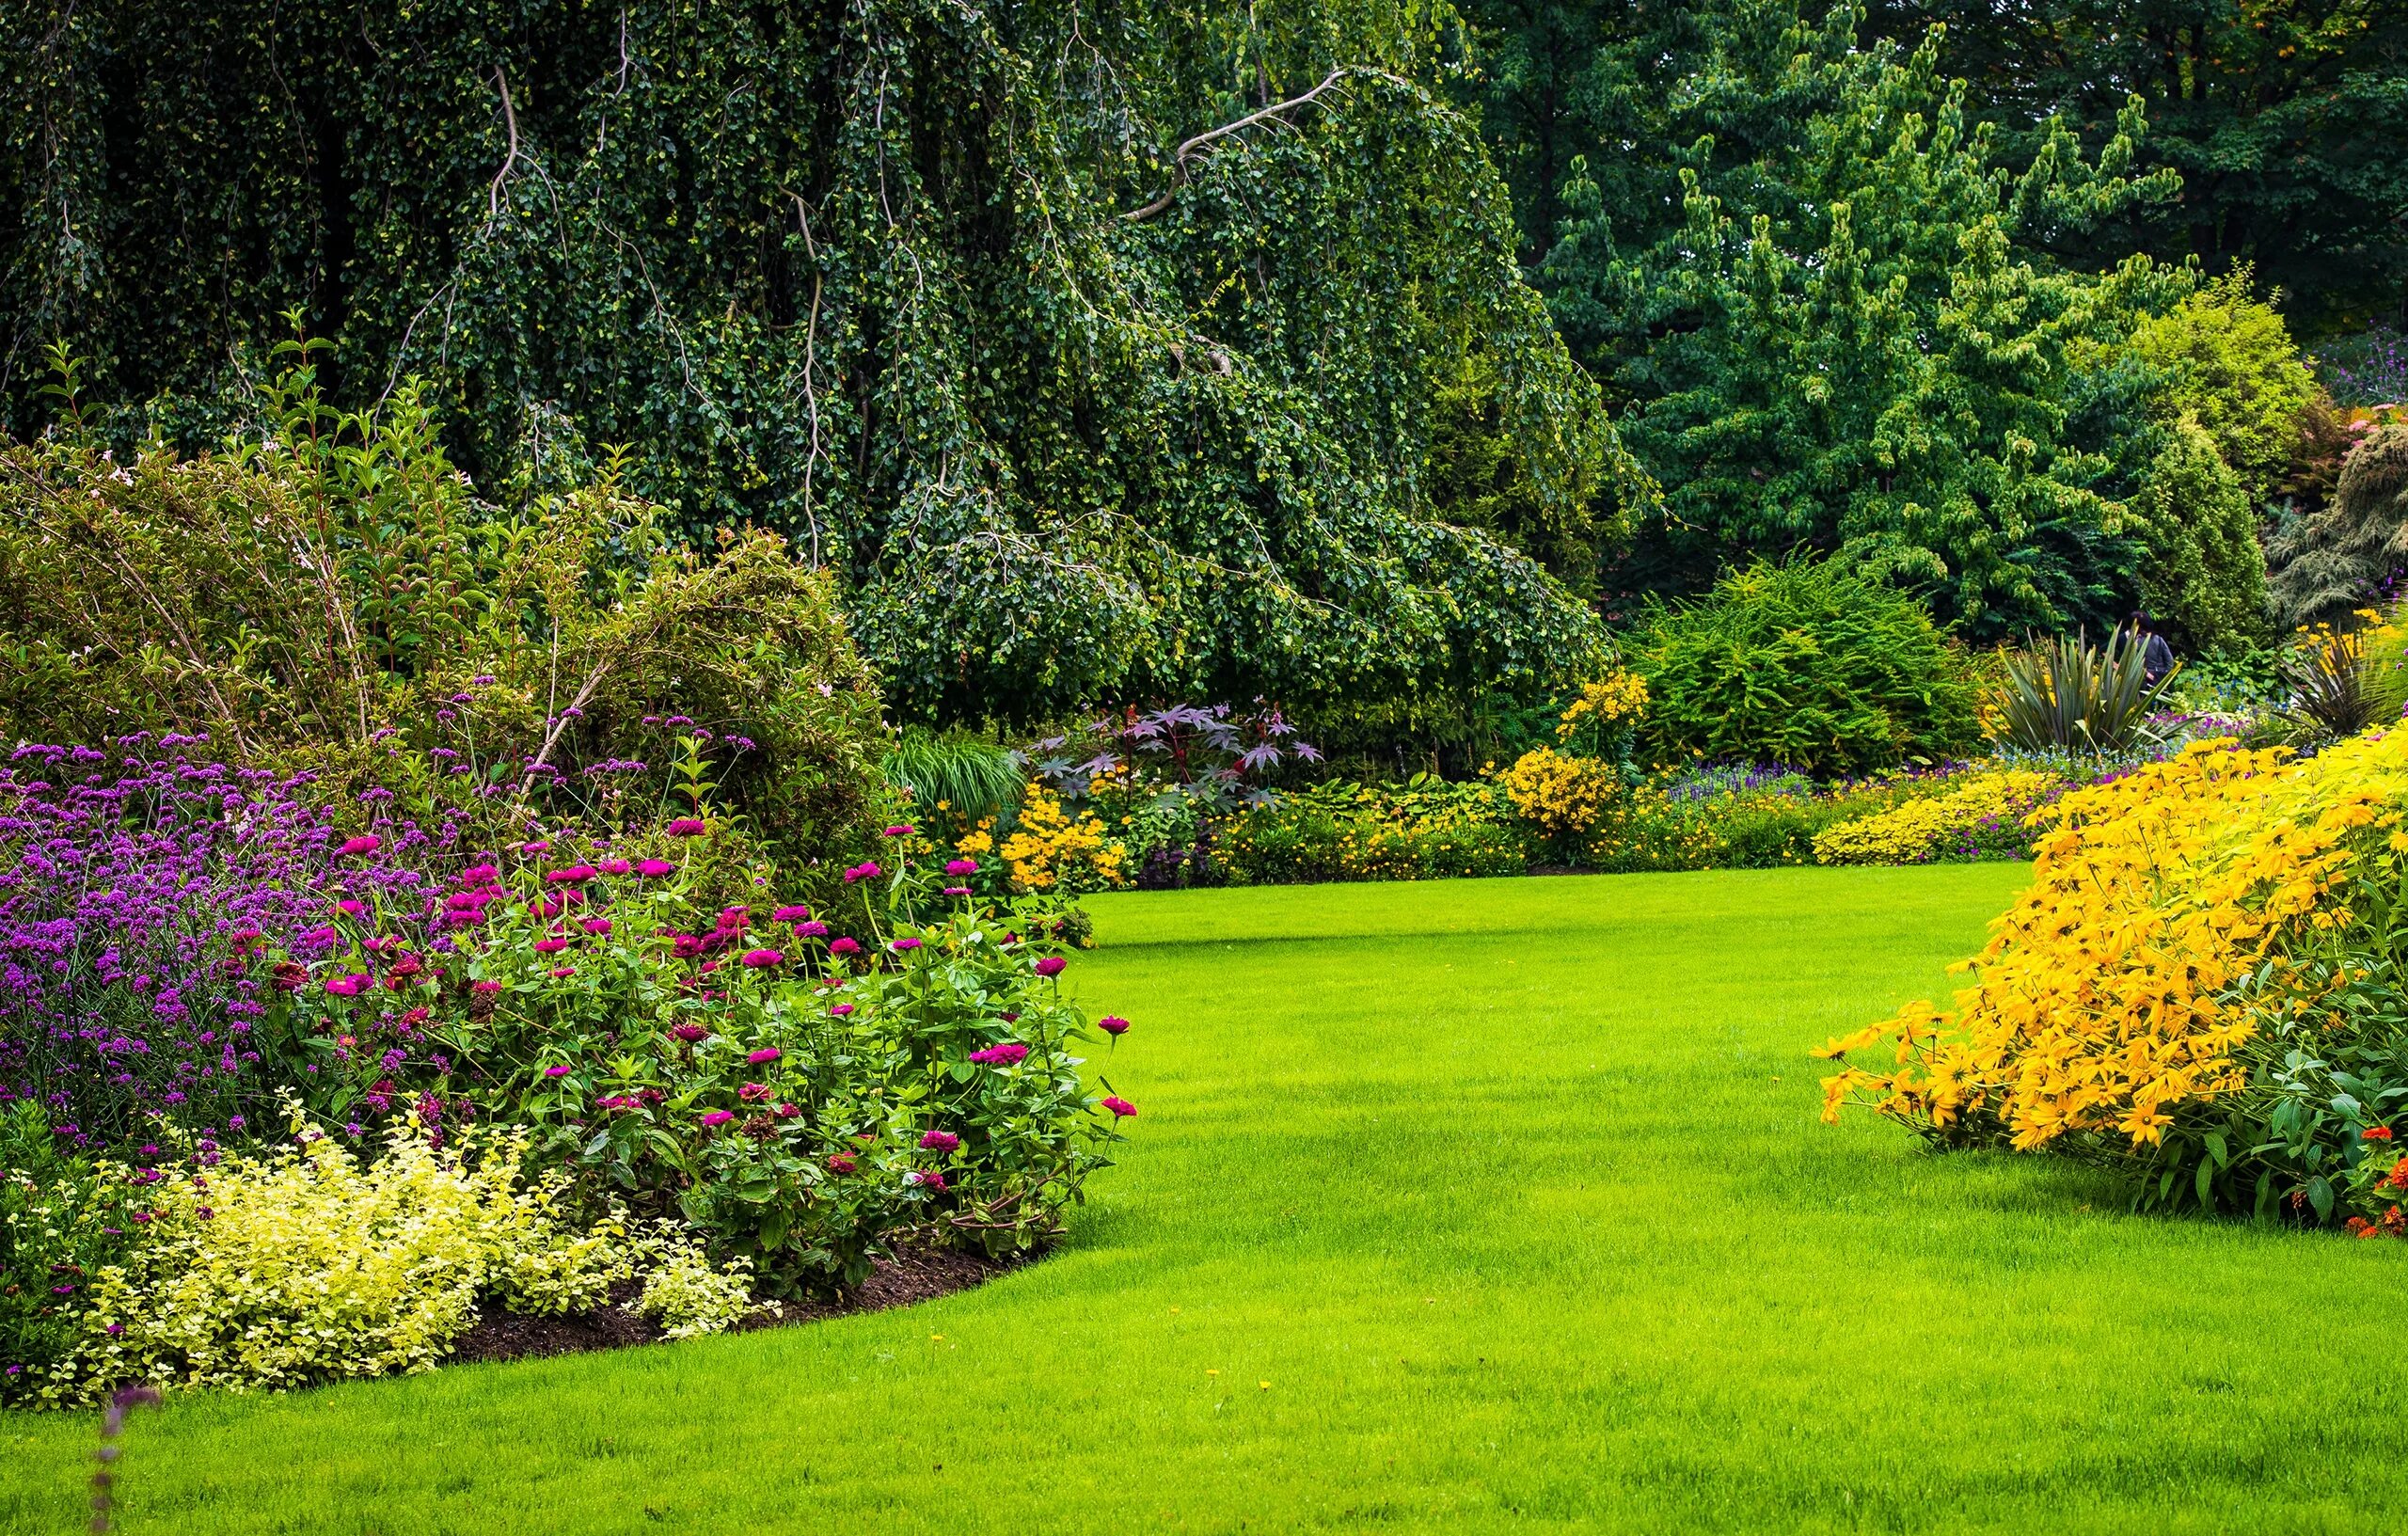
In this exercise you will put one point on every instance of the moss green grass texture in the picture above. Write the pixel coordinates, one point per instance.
(1474, 1205)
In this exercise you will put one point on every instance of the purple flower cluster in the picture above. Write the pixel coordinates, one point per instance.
(141, 891)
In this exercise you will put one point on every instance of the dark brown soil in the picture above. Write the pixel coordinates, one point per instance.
(914, 1275)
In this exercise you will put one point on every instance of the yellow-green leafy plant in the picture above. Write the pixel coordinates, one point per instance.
(315, 1262)
(1986, 816)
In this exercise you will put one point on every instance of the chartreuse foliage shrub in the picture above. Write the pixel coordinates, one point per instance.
(328, 592)
(1984, 815)
(1810, 663)
(2201, 990)
(2233, 371)
(1425, 830)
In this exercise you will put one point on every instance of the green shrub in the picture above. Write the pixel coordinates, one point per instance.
(1424, 830)
(331, 595)
(1808, 664)
(2206, 572)
(2234, 371)
(2337, 558)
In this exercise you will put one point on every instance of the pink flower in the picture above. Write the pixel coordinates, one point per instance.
(956, 890)
(350, 908)
(486, 988)
(688, 1033)
(367, 843)
(926, 1179)
(812, 931)
(596, 925)
(1051, 965)
(901, 830)
(655, 868)
(842, 1163)
(791, 914)
(550, 946)
(572, 875)
(562, 974)
(719, 1116)
(685, 827)
(1121, 1108)
(939, 1141)
(766, 1053)
(845, 947)
(477, 874)
(840, 1010)
(757, 958)
(1111, 1025)
(862, 872)
(1011, 1052)
(961, 866)
(731, 918)
(753, 1093)
(614, 867)
(556, 1072)
(536, 848)
(345, 985)
(904, 946)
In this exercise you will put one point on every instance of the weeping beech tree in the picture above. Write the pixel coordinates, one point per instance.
(1101, 348)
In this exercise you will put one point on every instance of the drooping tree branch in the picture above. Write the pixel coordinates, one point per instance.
(1178, 158)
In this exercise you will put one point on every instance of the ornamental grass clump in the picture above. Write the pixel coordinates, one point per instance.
(2199, 990)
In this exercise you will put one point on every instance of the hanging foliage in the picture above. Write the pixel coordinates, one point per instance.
(1100, 349)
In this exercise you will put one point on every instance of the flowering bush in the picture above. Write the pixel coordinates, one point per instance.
(1051, 849)
(1561, 795)
(1986, 815)
(2200, 988)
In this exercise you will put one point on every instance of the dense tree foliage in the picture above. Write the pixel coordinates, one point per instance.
(1099, 350)
(1848, 340)
(2283, 118)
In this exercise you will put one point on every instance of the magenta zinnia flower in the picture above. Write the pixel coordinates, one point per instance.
(926, 1179)
(757, 958)
(572, 875)
(1121, 1108)
(550, 946)
(1051, 965)
(719, 1116)
(845, 947)
(961, 866)
(901, 829)
(1010, 1054)
(556, 1072)
(840, 1010)
(791, 914)
(655, 868)
(767, 1053)
(367, 843)
(685, 827)
(615, 866)
(689, 1033)
(1113, 1024)
(904, 945)
(939, 1141)
(812, 929)
(842, 1163)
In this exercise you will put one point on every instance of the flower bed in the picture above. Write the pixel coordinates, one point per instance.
(235, 1027)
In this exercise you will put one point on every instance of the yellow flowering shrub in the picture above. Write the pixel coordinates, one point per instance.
(1561, 795)
(1984, 817)
(2175, 914)
(1050, 849)
(1614, 698)
(313, 1263)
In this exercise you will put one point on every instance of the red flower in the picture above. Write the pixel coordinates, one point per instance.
(2376, 1132)
(939, 1141)
(1121, 1108)
(842, 1163)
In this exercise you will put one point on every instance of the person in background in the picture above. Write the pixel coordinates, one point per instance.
(2157, 658)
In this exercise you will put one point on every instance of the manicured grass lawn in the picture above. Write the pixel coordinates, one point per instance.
(1495, 1205)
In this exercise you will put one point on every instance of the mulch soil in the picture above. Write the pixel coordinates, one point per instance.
(912, 1275)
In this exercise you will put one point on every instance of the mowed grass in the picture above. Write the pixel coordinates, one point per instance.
(1476, 1206)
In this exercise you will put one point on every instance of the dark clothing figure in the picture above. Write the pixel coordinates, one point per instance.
(2157, 658)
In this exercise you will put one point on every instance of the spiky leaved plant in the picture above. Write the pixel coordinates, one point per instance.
(2064, 694)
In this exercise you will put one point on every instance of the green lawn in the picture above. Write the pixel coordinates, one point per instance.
(1484, 1205)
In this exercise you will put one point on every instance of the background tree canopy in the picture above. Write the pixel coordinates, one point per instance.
(1090, 367)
